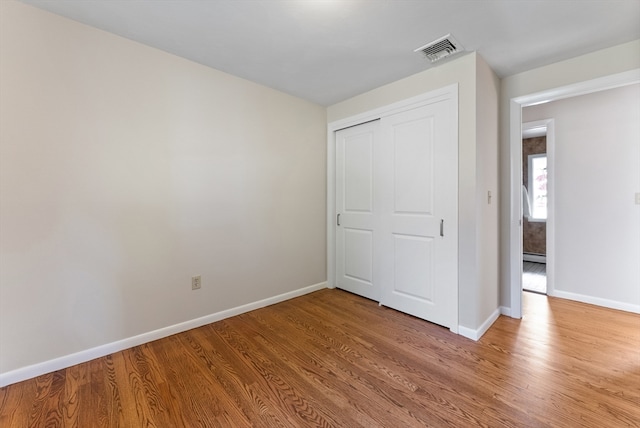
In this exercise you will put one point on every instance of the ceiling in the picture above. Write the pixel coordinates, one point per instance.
(326, 51)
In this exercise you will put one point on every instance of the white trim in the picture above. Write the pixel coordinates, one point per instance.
(536, 220)
(477, 334)
(431, 97)
(331, 207)
(580, 88)
(515, 188)
(550, 246)
(59, 363)
(515, 225)
(536, 258)
(533, 131)
(611, 304)
(505, 311)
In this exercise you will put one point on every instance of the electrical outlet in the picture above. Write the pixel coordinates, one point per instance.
(196, 282)
(637, 198)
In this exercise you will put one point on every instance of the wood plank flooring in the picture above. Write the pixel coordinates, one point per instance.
(534, 277)
(332, 359)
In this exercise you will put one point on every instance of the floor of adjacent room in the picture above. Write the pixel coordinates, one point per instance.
(534, 277)
(332, 358)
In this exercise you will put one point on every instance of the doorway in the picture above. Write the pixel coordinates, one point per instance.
(535, 179)
(516, 104)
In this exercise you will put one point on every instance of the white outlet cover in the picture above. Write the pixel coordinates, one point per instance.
(196, 282)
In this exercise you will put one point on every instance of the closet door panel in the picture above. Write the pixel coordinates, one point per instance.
(355, 205)
(418, 211)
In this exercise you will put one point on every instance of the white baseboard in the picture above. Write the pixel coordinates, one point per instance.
(611, 304)
(505, 311)
(477, 334)
(44, 367)
(536, 258)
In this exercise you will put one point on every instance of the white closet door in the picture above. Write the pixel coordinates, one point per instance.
(419, 222)
(397, 208)
(356, 218)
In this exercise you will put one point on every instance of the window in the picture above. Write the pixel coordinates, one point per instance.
(538, 186)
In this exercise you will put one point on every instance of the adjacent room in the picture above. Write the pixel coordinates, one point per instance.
(534, 207)
(594, 151)
(297, 213)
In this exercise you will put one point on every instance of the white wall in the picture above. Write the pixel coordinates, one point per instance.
(597, 173)
(472, 312)
(606, 62)
(125, 171)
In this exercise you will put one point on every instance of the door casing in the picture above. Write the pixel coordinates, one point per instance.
(515, 188)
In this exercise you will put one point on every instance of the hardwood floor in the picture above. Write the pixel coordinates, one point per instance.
(534, 277)
(334, 359)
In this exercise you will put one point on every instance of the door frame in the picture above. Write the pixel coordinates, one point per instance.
(515, 148)
(434, 96)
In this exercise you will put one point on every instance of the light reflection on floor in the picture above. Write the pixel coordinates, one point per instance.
(534, 277)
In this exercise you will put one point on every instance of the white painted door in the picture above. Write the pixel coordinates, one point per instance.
(397, 210)
(419, 212)
(356, 218)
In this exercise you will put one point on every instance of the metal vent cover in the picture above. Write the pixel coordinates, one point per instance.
(441, 48)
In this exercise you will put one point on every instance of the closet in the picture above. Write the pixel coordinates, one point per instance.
(396, 203)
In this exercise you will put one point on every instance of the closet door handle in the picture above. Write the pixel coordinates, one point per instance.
(441, 227)
(338, 219)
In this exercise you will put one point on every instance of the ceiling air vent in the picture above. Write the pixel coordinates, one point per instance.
(441, 48)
